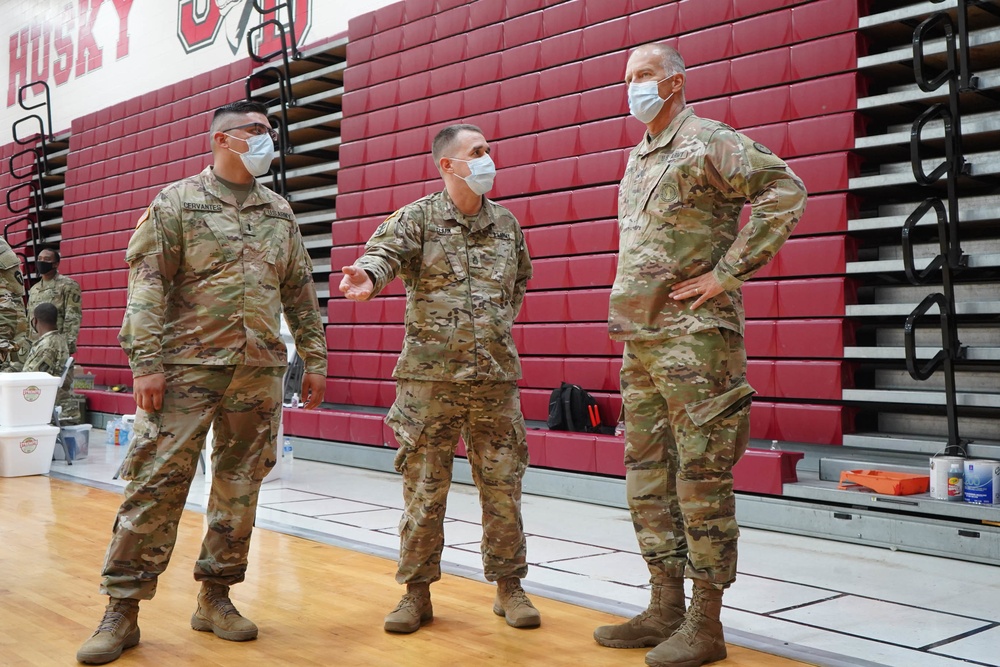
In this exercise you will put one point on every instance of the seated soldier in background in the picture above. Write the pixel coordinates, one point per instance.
(49, 353)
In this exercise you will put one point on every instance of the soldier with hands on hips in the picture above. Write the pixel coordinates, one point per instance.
(676, 303)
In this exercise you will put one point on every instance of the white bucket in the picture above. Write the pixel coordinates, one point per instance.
(939, 475)
(982, 482)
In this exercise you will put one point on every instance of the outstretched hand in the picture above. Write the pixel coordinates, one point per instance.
(356, 285)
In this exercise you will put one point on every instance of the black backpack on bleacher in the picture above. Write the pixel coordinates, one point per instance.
(573, 409)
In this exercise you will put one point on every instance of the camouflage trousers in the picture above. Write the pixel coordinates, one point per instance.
(243, 404)
(428, 418)
(687, 422)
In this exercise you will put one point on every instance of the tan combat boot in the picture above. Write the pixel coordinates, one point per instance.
(699, 640)
(513, 604)
(654, 625)
(216, 613)
(413, 610)
(118, 631)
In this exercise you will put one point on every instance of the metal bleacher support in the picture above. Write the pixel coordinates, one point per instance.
(303, 91)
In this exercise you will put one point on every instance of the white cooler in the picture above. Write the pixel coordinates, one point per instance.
(26, 450)
(27, 398)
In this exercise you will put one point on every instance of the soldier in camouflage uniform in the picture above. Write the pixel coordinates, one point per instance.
(214, 261)
(465, 266)
(60, 290)
(49, 353)
(64, 293)
(676, 303)
(14, 333)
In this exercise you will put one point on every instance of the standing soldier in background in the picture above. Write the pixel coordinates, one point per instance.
(213, 262)
(676, 303)
(63, 293)
(14, 340)
(464, 262)
(59, 290)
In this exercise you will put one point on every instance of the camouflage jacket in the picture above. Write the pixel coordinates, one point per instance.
(679, 205)
(208, 281)
(14, 340)
(465, 281)
(48, 355)
(64, 294)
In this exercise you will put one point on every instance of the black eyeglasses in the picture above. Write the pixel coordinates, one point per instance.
(256, 129)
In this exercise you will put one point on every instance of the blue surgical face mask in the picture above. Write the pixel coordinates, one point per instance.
(644, 101)
(260, 152)
(482, 171)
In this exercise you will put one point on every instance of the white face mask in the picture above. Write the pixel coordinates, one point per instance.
(260, 152)
(644, 101)
(482, 171)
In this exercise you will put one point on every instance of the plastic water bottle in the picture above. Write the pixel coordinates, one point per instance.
(620, 428)
(286, 451)
(295, 400)
(775, 446)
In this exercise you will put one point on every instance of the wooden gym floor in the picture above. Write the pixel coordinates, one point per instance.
(315, 604)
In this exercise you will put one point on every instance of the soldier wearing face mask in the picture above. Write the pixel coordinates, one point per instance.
(64, 293)
(213, 263)
(676, 304)
(61, 291)
(465, 265)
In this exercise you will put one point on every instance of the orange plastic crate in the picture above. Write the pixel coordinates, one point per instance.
(889, 483)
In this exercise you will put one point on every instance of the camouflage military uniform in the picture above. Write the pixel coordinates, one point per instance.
(14, 341)
(208, 281)
(465, 280)
(48, 355)
(64, 293)
(683, 377)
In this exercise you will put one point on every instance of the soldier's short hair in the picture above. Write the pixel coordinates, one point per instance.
(670, 59)
(52, 250)
(46, 313)
(446, 138)
(224, 113)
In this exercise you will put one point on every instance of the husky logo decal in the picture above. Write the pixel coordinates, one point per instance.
(199, 23)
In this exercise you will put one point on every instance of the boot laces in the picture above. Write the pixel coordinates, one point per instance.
(224, 606)
(516, 597)
(409, 601)
(112, 619)
(694, 619)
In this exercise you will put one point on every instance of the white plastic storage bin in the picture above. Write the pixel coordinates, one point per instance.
(80, 446)
(27, 399)
(26, 450)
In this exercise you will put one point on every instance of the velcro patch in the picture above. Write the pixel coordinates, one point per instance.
(760, 156)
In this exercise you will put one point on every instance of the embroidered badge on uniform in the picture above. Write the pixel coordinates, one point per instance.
(381, 229)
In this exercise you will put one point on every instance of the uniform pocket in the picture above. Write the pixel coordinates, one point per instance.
(141, 455)
(408, 432)
(269, 453)
(704, 413)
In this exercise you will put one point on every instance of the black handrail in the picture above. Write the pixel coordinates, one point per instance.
(950, 258)
(45, 103)
(36, 163)
(288, 5)
(38, 137)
